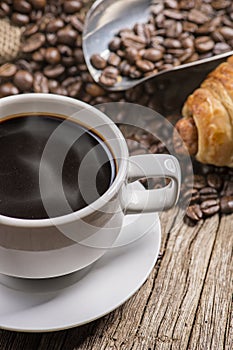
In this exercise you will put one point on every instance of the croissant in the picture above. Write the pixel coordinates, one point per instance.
(207, 124)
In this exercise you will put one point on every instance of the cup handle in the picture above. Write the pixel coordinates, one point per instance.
(149, 166)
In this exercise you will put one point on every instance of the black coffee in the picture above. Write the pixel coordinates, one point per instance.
(71, 150)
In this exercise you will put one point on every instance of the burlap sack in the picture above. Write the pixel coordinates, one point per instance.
(10, 37)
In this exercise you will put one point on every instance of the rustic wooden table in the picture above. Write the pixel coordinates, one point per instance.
(186, 303)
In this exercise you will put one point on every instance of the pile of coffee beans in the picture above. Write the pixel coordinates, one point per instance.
(51, 57)
(51, 61)
(212, 193)
(177, 32)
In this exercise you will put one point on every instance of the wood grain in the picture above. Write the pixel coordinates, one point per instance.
(186, 303)
(213, 324)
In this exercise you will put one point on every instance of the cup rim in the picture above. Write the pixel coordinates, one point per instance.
(98, 203)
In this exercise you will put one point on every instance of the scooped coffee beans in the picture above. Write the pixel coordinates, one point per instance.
(176, 32)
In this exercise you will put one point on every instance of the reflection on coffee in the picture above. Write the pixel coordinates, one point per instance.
(22, 141)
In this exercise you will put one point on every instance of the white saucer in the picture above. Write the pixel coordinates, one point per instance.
(72, 300)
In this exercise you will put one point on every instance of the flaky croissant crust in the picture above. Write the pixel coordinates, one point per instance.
(211, 107)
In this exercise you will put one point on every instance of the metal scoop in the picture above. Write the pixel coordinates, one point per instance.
(106, 17)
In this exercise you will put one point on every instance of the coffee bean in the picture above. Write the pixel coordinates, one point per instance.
(65, 83)
(125, 68)
(144, 65)
(173, 14)
(217, 37)
(204, 44)
(226, 21)
(98, 62)
(191, 195)
(135, 73)
(53, 84)
(208, 193)
(8, 89)
(172, 4)
(172, 43)
(205, 29)
(19, 19)
(113, 59)
(227, 32)
(33, 43)
(114, 44)
(227, 189)
(22, 6)
(23, 80)
(24, 64)
(189, 27)
(157, 8)
(61, 91)
(215, 181)
(138, 151)
(153, 55)
(54, 25)
(210, 207)
(71, 6)
(197, 17)
(74, 89)
(220, 4)
(38, 56)
(132, 40)
(109, 76)
(131, 55)
(221, 48)
(71, 71)
(5, 9)
(194, 212)
(66, 35)
(76, 23)
(125, 32)
(7, 70)
(111, 71)
(30, 29)
(36, 15)
(154, 148)
(142, 31)
(192, 58)
(174, 29)
(40, 83)
(226, 204)
(51, 39)
(78, 56)
(38, 4)
(64, 50)
(52, 55)
(120, 53)
(94, 90)
(53, 71)
(187, 41)
(199, 181)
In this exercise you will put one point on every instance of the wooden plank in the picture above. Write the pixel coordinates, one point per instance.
(213, 325)
(172, 307)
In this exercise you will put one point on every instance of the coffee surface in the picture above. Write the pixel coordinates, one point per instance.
(75, 161)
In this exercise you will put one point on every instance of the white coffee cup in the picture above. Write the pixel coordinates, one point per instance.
(43, 248)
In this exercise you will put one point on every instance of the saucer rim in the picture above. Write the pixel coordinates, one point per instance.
(155, 230)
